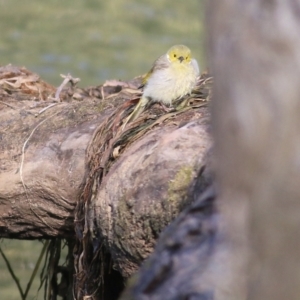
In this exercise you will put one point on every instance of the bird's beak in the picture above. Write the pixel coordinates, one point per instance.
(180, 58)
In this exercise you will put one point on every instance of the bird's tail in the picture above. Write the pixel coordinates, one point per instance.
(140, 107)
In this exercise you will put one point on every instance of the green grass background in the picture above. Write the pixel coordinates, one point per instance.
(22, 256)
(96, 40)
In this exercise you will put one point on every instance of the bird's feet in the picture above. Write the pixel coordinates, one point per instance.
(166, 108)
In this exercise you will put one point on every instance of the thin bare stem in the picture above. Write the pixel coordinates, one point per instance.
(37, 265)
(15, 278)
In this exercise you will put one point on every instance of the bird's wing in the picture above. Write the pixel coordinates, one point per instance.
(195, 66)
(160, 64)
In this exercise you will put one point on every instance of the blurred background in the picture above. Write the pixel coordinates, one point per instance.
(95, 41)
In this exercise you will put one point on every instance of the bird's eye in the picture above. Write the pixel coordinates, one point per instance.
(187, 58)
(175, 55)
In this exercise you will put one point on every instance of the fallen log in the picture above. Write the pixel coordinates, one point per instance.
(65, 148)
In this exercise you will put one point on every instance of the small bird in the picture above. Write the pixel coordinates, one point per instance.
(172, 76)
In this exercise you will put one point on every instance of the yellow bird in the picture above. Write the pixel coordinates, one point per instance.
(172, 76)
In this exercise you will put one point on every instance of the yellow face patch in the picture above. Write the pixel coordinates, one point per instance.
(179, 53)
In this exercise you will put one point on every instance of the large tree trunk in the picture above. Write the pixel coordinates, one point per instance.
(254, 51)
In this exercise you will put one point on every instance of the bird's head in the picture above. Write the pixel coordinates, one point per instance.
(179, 53)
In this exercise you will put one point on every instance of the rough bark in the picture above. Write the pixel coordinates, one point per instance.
(43, 142)
(147, 188)
(188, 260)
(42, 166)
